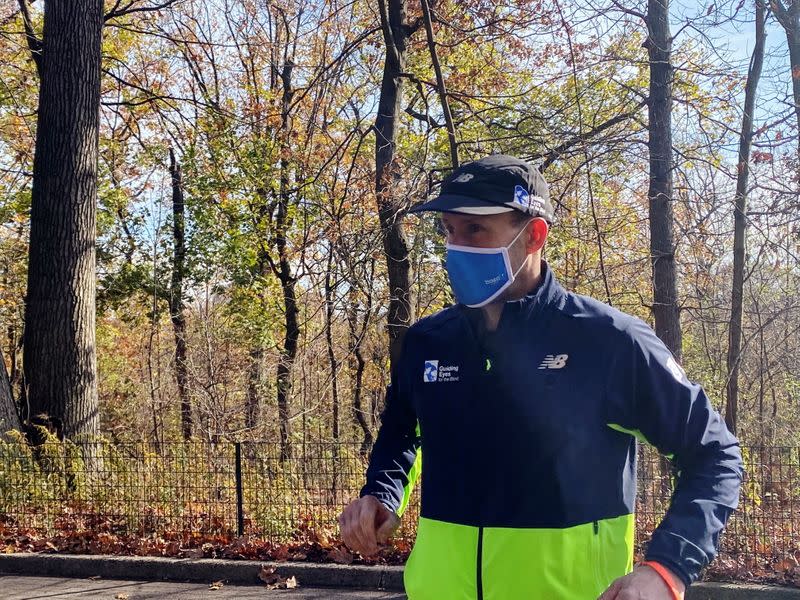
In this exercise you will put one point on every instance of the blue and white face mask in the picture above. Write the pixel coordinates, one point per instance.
(480, 275)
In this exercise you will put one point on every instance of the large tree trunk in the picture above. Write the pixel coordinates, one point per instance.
(662, 244)
(176, 304)
(401, 312)
(740, 219)
(59, 349)
(659, 193)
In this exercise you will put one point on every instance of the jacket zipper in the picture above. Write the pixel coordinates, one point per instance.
(596, 552)
(479, 574)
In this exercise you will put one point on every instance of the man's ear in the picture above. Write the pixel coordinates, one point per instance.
(537, 234)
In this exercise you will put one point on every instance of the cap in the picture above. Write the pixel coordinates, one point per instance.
(495, 184)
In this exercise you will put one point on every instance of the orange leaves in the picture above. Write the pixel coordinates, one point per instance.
(762, 157)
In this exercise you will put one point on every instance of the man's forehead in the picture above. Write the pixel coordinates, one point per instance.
(450, 217)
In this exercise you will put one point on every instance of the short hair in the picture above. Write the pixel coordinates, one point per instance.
(518, 217)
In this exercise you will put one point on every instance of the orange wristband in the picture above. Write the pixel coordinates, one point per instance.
(666, 576)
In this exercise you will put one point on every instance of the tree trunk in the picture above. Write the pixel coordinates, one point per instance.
(59, 349)
(359, 363)
(396, 33)
(740, 220)
(176, 304)
(287, 279)
(789, 18)
(334, 366)
(440, 85)
(662, 244)
(9, 415)
(255, 380)
(659, 193)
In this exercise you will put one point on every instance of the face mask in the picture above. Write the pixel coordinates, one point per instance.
(480, 275)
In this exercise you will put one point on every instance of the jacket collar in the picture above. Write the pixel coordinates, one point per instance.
(547, 292)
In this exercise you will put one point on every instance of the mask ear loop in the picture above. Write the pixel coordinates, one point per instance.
(527, 254)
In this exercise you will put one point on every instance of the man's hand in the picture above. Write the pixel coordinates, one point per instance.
(365, 524)
(642, 584)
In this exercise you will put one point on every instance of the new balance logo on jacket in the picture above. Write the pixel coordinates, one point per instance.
(554, 361)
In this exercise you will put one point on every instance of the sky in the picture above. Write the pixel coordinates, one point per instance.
(736, 38)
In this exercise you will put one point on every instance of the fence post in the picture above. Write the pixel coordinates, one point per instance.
(239, 500)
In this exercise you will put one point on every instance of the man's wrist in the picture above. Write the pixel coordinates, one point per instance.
(672, 581)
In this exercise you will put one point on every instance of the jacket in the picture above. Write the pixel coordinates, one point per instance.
(529, 440)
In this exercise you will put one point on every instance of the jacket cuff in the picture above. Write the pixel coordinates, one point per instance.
(385, 498)
(678, 554)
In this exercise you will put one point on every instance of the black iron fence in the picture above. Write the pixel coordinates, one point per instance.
(231, 489)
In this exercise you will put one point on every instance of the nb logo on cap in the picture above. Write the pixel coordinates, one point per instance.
(464, 178)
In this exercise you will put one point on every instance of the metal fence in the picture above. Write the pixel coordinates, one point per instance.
(230, 489)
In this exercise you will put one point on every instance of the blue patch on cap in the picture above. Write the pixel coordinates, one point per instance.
(521, 196)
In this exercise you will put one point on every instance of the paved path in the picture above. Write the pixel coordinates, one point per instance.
(14, 587)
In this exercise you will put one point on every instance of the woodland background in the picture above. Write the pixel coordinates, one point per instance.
(203, 203)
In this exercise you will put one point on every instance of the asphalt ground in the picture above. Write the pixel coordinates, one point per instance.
(18, 587)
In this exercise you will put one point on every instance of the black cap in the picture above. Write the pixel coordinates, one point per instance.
(495, 184)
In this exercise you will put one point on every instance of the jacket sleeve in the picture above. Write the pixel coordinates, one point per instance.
(396, 460)
(658, 401)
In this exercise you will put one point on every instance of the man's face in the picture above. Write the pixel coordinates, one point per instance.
(481, 231)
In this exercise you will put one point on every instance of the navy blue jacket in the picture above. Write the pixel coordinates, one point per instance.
(533, 425)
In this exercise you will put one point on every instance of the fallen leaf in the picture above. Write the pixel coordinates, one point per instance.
(290, 583)
(121, 596)
(94, 577)
(216, 585)
(268, 575)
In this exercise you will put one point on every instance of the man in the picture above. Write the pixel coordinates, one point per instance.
(527, 401)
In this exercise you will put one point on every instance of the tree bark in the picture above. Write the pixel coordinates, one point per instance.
(176, 303)
(59, 358)
(396, 34)
(662, 244)
(740, 219)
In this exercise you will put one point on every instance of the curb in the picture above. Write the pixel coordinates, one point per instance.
(200, 570)
(733, 591)
(207, 570)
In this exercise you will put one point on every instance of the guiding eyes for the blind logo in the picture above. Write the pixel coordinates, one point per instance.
(434, 372)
